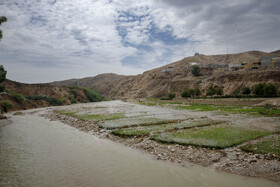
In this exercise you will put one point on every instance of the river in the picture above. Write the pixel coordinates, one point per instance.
(37, 152)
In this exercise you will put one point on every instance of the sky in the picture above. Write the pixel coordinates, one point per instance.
(50, 40)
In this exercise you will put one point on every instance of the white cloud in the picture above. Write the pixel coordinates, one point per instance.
(85, 38)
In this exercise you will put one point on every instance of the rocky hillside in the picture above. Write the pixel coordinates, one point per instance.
(26, 96)
(156, 84)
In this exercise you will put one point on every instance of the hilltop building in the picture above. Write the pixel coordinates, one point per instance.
(276, 63)
(167, 70)
(266, 61)
(251, 66)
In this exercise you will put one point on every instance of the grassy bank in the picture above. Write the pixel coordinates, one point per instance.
(271, 146)
(147, 130)
(214, 137)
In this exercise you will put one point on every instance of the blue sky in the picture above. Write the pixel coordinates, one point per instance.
(48, 40)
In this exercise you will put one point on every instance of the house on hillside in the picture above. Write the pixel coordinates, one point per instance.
(251, 66)
(190, 64)
(266, 61)
(222, 66)
(210, 66)
(167, 70)
(234, 67)
(276, 63)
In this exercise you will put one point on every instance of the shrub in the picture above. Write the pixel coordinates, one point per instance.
(270, 90)
(187, 93)
(6, 105)
(259, 89)
(71, 97)
(74, 90)
(246, 91)
(171, 95)
(196, 70)
(93, 96)
(18, 97)
(53, 101)
(219, 91)
(211, 91)
(267, 90)
(197, 92)
(2, 88)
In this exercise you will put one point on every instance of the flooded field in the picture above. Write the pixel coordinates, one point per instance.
(37, 152)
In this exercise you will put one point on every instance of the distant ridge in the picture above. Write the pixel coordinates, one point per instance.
(154, 83)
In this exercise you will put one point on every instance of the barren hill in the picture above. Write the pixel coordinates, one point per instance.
(42, 95)
(156, 83)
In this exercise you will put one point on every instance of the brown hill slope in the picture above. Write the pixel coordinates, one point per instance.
(41, 95)
(154, 83)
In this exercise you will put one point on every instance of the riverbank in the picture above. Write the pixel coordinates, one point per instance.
(4, 122)
(231, 159)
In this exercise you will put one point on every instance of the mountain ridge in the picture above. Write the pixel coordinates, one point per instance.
(154, 83)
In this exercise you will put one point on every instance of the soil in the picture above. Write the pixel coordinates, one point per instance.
(232, 160)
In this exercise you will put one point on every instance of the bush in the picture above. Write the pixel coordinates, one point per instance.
(74, 90)
(266, 90)
(259, 89)
(187, 93)
(6, 105)
(219, 91)
(196, 70)
(270, 90)
(2, 88)
(53, 101)
(18, 97)
(171, 95)
(196, 92)
(93, 96)
(71, 97)
(211, 91)
(246, 91)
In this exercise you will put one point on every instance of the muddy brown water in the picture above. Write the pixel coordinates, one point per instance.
(38, 152)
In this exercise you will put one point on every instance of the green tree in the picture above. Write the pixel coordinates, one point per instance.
(197, 92)
(211, 91)
(2, 20)
(270, 90)
(6, 105)
(171, 95)
(196, 70)
(219, 90)
(3, 74)
(187, 93)
(259, 89)
(246, 91)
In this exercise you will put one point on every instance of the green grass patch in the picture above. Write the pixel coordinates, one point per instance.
(256, 111)
(91, 117)
(148, 104)
(211, 137)
(67, 113)
(264, 147)
(132, 122)
(99, 117)
(146, 130)
(171, 103)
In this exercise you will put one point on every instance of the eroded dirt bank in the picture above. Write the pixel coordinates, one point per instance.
(232, 159)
